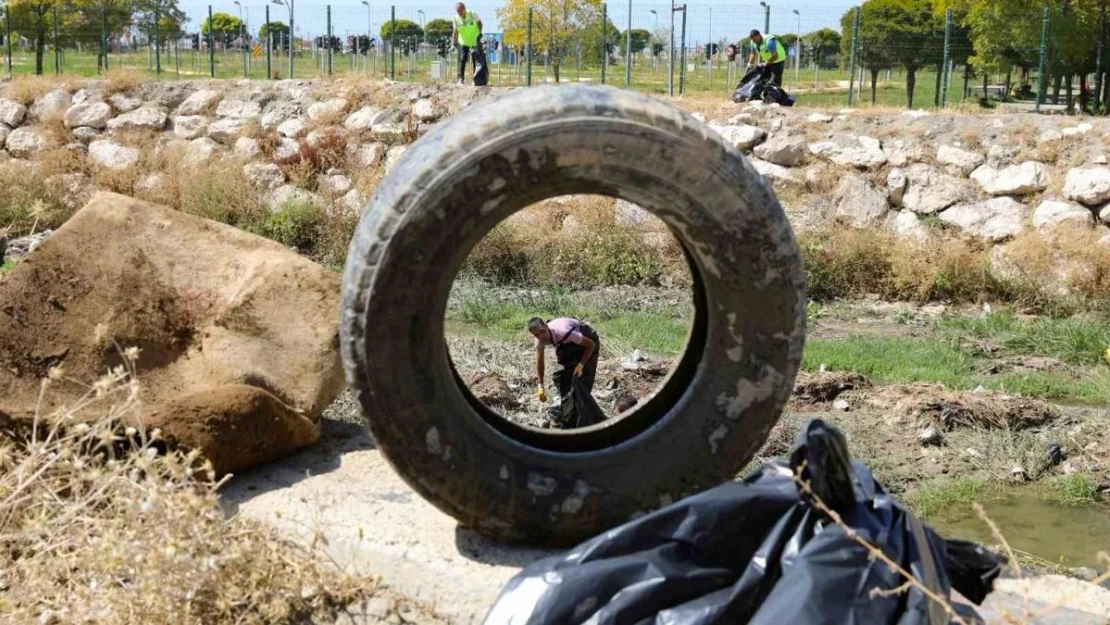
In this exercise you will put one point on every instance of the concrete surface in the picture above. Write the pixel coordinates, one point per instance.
(343, 496)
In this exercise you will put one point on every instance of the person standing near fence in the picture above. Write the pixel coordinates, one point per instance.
(769, 53)
(466, 33)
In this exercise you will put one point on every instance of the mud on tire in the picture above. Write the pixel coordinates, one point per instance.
(711, 414)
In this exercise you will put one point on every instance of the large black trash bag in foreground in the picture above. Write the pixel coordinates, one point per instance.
(757, 551)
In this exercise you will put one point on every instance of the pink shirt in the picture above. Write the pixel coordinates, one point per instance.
(563, 330)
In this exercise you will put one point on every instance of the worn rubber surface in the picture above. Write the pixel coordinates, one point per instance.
(450, 189)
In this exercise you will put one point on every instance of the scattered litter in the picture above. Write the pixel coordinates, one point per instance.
(1018, 474)
(842, 405)
(974, 453)
(821, 368)
(930, 436)
(1055, 453)
(948, 410)
(826, 386)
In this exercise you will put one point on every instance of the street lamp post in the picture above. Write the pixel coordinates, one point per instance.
(291, 31)
(243, 38)
(369, 32)
(766, 17)
(798, 50)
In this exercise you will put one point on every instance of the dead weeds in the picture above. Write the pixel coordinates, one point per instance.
(951, 410)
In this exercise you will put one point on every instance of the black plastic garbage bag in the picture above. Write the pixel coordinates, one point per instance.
(578, 409)
(481, 67)
(758, 551)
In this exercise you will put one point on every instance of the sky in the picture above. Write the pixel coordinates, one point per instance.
(708, 21)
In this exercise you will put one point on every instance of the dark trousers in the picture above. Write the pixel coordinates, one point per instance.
(774, 73)
(477, 57)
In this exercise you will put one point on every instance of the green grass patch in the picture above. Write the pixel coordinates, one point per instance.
(893, 360)
(1073, 490)
(9, 264)
(936, 497)
(1076, 340)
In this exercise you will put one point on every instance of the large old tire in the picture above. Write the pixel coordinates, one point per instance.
(715, 409)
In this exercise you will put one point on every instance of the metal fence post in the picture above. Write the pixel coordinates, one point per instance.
(211, 45)
(327, 41)
(682, 70)
(947, 55)
(1041, 82)
(392, 42)
(852, 57)
(604, 40)
(157, 41)
(103, 36)
(628, 48)
(57, 51)
(269, 45)
(670, 56)
(8, 34)
(1098, 58)
(528, 59)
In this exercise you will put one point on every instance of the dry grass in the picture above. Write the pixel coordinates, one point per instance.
(123, 80)
(99, 524)
(27, 89)
(303, 167)
(1047, 267)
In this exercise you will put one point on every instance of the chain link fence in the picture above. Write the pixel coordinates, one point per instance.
(1054, 58)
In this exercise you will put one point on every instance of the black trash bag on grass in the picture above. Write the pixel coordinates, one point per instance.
(760, 552)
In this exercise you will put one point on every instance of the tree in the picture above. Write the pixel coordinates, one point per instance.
(640, 40)
(438, 30)
(408, 35)
(825, 44)
(873, 48)
(279, 31)
(906, 31)
(555, 25)
(224, 27)
(86, 20)
(171, 19)
(32, 19)
(595, 40)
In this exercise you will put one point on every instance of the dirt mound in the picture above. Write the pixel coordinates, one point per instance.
(826, 386)
(492, 390)
(208, 307)
(951, 410)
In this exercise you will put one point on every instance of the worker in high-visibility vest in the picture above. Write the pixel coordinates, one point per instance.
(466, 33)
(770, 54)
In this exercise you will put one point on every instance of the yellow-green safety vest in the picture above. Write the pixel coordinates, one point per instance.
(765, 54)
(468, 29)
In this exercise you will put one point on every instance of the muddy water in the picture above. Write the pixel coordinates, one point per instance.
(1071, 535)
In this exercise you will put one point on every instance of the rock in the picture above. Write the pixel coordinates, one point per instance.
(918, 114)
(25, 142)
(286, 149)
(151, 185)
(85, 135)
(907, 225)
(1051, 214)
(776, 125)
(190, 126)
(740, 119)
(1073, 131)
(929, 191)
(247, 148)
(264, 176)
(1049, 136)
(1000, 156)
(859, 203)
(785, 151)
(334, 185)
(88, 115)
(393, 156)
(292, 128)
(959, 161)
(742, 137)
(770, 171)
(143, 118)
(5, 130)
(1100, 159)
(288, 195)
(819, 118)
(365, 118)
(238, 109)
(901, 153)
(327, 111)
(366, 155)
(125, 102)
(389, 132)
(868, 155)
(111, 155)
(228, 129)
(88, 95)
(200, 151)
(12, 113)
(278, 112)
(72, 191)
(159, 278)
(1104, 215)
(1088, 185)
(200, 102)
(994, 220)
(351, 203)
(629, 214)
(1028, 177)
(50, 104)
(896, 182)
(333, 135)
(425, 110)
